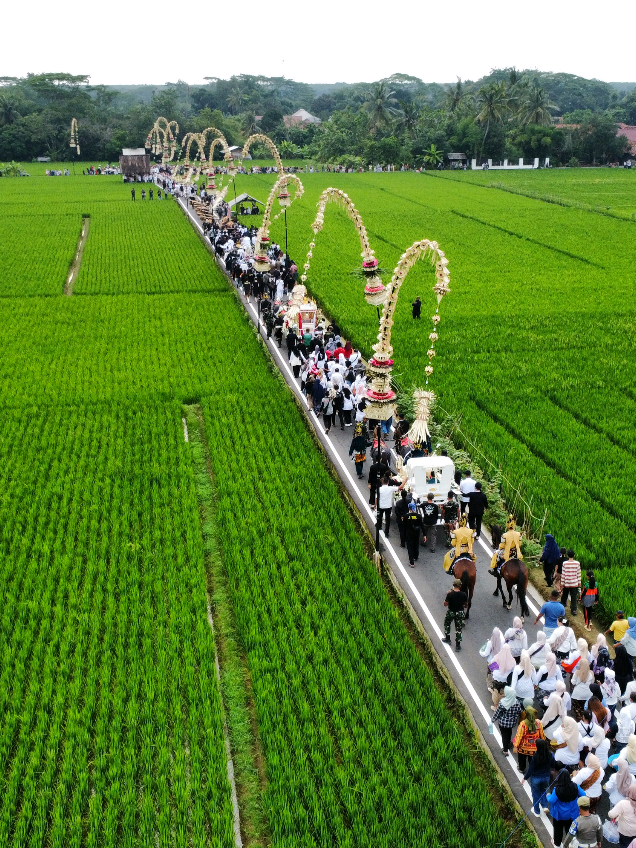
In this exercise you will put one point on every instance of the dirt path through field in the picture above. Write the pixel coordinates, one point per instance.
(73, 271)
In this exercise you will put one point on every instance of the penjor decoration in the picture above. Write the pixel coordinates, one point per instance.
(162, 139)
(374, 291)
(261, 262)
(380, 396)
(75, 137)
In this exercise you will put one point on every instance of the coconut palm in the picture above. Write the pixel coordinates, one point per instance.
(380, 105)
(535, 106)
(407, 116)
(236, 100)
(8, 109)
(493, 103)
(455, 95)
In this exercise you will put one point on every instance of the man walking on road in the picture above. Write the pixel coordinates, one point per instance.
(477, 505)
(384, 502)
(455, 602)
(552, 610)
(466, 487)
(431, 515)
(449, 513)
(571, 581)
(413, 527)
(378, 470)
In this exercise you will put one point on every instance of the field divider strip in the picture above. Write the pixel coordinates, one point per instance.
(77, 258)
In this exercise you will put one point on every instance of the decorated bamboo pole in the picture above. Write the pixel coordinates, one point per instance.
(380, 396)
(75, 136)
(374, 291)
(261, 262)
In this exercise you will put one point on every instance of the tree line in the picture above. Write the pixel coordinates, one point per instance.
(508, 113)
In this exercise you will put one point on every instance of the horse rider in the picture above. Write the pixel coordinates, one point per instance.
(509, 548)
(463, 540)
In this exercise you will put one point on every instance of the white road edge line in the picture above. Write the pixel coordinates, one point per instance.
(437, 630)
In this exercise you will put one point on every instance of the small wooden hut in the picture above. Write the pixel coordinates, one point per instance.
(134, 162)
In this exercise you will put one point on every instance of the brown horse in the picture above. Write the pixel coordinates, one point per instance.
(464, 569)
(514, 573)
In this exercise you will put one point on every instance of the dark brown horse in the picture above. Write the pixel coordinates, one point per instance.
(464, 569)
(514, 573)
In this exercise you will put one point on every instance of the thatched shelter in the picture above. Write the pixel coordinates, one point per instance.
(134, 162)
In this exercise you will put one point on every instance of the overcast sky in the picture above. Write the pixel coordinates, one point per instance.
(329, 41)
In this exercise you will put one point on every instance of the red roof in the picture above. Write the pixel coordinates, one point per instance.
(630, 132)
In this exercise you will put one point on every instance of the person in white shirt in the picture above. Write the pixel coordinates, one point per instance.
(384, 501)
(547, 677)
(538, 650)
(563, 641)
(592, 768)
(631, 687)
(466, 487)
(629, 753)
(516, 637)
(522, 677)
(600, 745)
(625, 727)
(569, 737)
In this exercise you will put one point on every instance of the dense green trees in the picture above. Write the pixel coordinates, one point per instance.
(508, 113)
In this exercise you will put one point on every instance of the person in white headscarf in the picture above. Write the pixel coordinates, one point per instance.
(589, 778)
(619, 783)
(563, 641)
(516, 638)
(501, 667)
(523, 677)
(554, 715)
(547, 677)
(625, 727)
(538, 650)
(610, 689)
(489, 651)
(629, 753)
(600, 745)
(569, 743)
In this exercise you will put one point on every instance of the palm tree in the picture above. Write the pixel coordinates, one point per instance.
(455, 95)
(8, 109)
(407, 116)
(535, 107)
(236, 100)
(493, 100)
(380, 105)
(433, 156)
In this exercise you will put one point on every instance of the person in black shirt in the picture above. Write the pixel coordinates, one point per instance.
(401, 511)
(377, 471)
(449, 513)
(430, 512)
(455, 603)
(477, 505)
(413, 529)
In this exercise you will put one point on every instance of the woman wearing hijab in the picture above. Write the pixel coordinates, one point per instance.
(600, 657)
(625, 814)
(507, 714)
(550, 556)
(538, 775)
(501, 667)
(547, 677)
(625, 727)
(619, 783)
(600, 746)
(523, 677)
(589, 779)
(629, 639)
(623, 666)
(629, 753)
(610, 690)
(568, 744)
(530, 729)
(516, 638)
(554, 715)
(538, 650)
(489, 651)
(563, 805)
(562, 641)
(582, 677)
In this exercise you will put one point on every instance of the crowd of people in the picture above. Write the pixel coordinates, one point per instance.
(568, 711)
